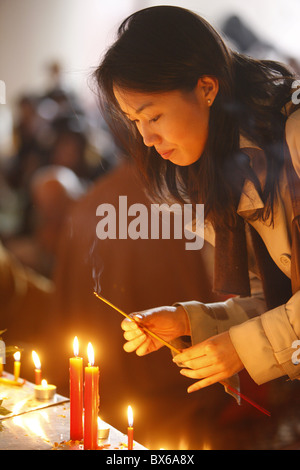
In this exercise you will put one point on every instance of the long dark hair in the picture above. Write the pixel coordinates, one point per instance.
(165, 48)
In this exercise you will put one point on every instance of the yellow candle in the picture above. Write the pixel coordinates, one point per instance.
(17, 365)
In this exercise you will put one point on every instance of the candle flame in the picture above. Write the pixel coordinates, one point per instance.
(44, 383)
(36, 360)
(17, 356)
(90, 352)
(76, 346)
(130, 416)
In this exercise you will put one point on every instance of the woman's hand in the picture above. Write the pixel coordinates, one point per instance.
(167, 322)
(213, 360)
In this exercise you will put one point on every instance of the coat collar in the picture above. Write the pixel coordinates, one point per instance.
(250, 200)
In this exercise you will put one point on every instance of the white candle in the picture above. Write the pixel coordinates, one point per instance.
(103, 429)
(44, 391)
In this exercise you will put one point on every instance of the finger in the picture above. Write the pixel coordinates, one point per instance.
(199, 373)
(206, 382)
(144, 348)
(129, 324)
(198, 363)
(194, 352)
(134, 344)
(133, 334)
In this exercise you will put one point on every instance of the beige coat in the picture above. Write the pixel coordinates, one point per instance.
(265, 343)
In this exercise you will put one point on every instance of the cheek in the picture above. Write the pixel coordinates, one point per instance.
(178, 132)
(198, 131)
(189, 132)
(193, 137)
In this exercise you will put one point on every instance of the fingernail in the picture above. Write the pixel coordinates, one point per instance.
(138, 317)
(175, 358)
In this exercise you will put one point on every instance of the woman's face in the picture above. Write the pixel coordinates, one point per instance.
(174, 122)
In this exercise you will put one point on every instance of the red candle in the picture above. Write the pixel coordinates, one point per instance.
(130, 428)
(38, 370)
(76, 394)
(91, 402)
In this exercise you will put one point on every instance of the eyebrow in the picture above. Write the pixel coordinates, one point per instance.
(141, 108)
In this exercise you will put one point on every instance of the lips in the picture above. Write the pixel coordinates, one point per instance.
(166, 155)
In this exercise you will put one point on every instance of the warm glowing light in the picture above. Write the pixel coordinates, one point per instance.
(130, 416)
(36, 360)
(101, 424)
(17, 356)
(206, 446)
(19, 405)
(32, 424)
(90, 352)
(103, 429)
(76, 346)
(183, 443)
(44, 383)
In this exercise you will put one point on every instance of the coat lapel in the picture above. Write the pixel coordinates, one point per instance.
(231, 275)
(294, 186)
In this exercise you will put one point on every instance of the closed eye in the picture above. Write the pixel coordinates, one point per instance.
(156, 118)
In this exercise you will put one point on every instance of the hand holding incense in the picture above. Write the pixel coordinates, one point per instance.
(229, 387)
(149, 332)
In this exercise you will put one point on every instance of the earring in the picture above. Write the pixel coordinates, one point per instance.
(208, 101)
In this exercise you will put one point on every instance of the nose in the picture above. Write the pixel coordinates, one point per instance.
(150, 138)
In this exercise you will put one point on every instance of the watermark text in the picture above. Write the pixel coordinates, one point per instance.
(2, 92)
(161, 221)
(296, 354)
(296, 94)
(2, 352)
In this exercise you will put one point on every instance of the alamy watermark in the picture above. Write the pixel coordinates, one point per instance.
(162, 221)
(296, 94)
(296, 354)
(2, 352)
(2, 92)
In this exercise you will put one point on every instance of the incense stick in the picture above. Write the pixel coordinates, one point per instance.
(140, 326)
(232, 389)
(260, 408)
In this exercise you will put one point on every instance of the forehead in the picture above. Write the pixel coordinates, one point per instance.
(135, 102)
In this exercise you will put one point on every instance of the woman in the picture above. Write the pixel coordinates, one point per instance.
(207, 125)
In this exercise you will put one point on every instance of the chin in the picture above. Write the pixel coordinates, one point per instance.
(185, 161)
